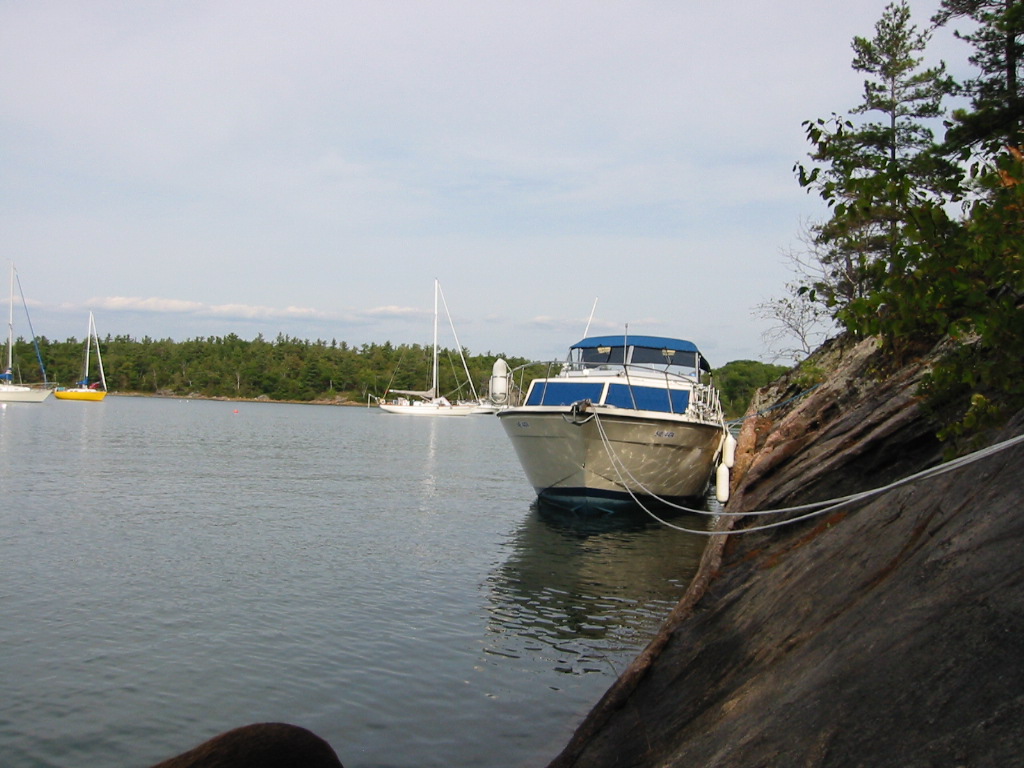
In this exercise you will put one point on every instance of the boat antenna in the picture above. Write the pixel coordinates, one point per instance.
(625, 363)
(590, 319)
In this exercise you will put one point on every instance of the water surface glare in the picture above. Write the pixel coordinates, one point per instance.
(176, 568)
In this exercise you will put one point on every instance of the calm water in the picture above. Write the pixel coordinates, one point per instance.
(173, 568)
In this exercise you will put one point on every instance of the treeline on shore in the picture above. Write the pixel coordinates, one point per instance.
(292, 369)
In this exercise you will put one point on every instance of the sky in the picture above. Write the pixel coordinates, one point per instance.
(187, 169)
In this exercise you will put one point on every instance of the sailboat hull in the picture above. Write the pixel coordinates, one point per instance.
(15, 394)
(427, 409)
(90, 395)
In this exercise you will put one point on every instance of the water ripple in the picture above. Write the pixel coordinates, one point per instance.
(175, 568)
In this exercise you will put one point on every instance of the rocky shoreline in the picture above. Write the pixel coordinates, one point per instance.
(888, 632)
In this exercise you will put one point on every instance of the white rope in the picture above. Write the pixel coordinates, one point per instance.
(816, 508)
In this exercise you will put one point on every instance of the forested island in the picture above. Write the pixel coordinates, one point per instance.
(297, 370)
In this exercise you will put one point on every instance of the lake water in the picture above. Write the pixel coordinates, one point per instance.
(174, 568)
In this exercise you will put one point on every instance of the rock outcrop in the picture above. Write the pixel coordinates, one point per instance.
(260, 745)
(889, 632)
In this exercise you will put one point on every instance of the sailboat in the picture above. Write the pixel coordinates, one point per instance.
(429, 402)
(9, 391)
(84, 390)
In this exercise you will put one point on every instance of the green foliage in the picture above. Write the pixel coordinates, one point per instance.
(997, 37)
(976, 292)
(809, 375)
(737, 381)
(285, 369)
(918, 273)
(870, 174)
(25, 367)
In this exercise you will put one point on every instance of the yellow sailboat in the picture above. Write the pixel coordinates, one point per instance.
(84, 390)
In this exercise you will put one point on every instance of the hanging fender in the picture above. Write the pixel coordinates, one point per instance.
(722, 483)
(729, 450)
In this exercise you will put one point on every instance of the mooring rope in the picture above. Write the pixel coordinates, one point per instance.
(770, 408)
(811, 510)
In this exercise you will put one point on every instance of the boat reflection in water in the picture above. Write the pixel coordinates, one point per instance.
(589, 592)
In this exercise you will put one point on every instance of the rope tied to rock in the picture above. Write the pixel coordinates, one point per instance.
(811, 510)
(770, 408)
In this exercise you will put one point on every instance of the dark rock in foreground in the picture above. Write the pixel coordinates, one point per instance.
(261, 745)
(886, 633)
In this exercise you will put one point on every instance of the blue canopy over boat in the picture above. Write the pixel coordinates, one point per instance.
(657, 349)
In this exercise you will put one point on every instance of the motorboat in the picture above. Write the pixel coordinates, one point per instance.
(624, 420)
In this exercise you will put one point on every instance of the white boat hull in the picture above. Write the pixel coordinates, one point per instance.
(607, 457)
(10, 393)
(487, 408)
(427, 409)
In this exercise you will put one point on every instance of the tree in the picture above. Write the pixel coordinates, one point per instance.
(996, 92)
(871, 174)
(796, 327)
(737, 381)
(937, 275)
(975, 287)
(800, 320)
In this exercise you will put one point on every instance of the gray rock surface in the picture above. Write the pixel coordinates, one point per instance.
(886, 633)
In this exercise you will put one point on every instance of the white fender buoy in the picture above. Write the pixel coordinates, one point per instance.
(499, 381)
(722, 483)
(729, 451)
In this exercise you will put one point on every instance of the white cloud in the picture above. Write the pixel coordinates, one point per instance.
(321, 162)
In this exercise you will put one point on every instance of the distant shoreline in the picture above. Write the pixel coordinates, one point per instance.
(257, 400)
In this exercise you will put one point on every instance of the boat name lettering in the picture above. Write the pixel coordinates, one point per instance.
(664, 433)
(523, 424)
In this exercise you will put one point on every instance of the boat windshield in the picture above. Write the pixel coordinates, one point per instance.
(602, 355)
(654, 357)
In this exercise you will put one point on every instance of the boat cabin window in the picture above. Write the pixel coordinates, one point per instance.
(563, 392)
(648, 398)
(650, 356)
(603, 355)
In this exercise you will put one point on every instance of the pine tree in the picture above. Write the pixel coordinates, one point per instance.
(996, 94)
(872, 172)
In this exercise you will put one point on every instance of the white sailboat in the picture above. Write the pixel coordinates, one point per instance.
(96, 391)
(429, 402)
(9, 391)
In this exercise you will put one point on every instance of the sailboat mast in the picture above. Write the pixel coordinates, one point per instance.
(434, 385)
(10, 324)
(462, 356)
(99, 360)
(88, 346)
